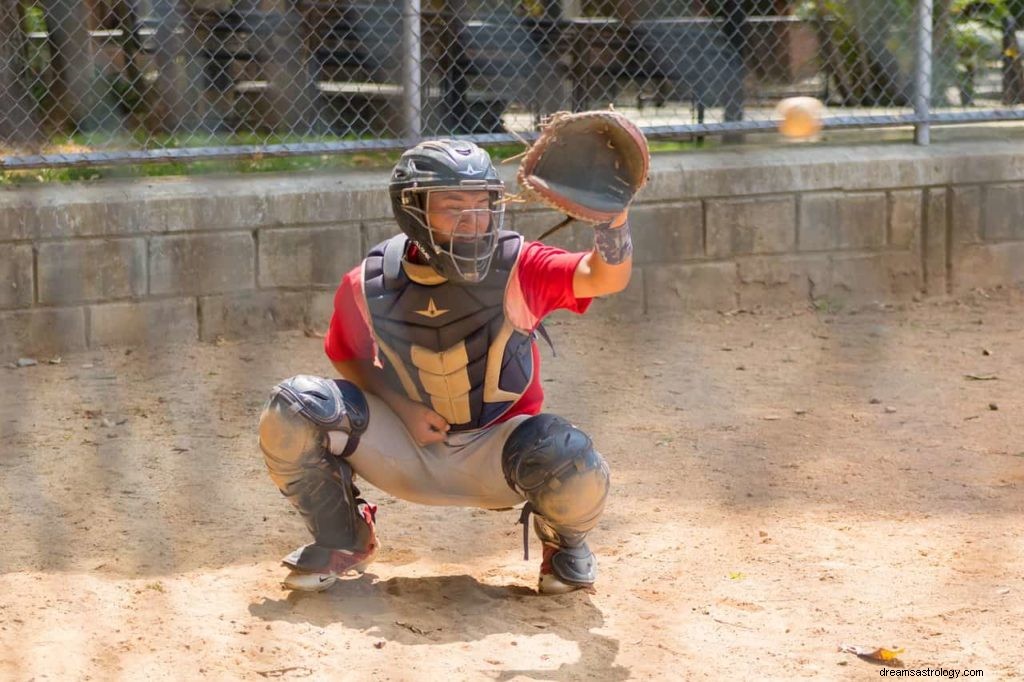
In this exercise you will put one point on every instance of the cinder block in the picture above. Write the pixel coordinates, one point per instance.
(66, 218)
(13, 225)
(377, 231)
(664, 181)
(778, 280)
(836, 221)
(904, 218)
(159, 215)
(984, 162)
(935, 225)
(667, 233)
(144, 323)
(240, 315)
(670, 288)
(155, 213)
(201, 264)
(15, 276)
(305, 256)
(575, 236)
(41, 331)
(628, 302)
(1003, 213)
(320, 308)
(875, 276)
(737, 227)
(723, 173)
(862, 221)
(327, 206)
(91, 270)
(967, 215)
(889, 171)
(229, 212)
(368, 204)
(988, 265)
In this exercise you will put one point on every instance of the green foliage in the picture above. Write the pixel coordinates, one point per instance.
(967, 35)
(976, 43)
(34, 19)
(290, 164)
(990, 12)
(37, 55)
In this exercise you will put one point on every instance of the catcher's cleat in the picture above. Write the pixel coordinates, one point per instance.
(549, 582)
(315, 568)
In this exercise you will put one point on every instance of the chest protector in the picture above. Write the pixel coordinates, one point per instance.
(446, 345)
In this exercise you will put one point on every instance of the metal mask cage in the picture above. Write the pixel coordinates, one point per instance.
(470, 242)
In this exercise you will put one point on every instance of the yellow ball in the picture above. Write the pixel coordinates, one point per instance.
(801, 117)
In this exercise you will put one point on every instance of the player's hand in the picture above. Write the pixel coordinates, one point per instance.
(424, 425)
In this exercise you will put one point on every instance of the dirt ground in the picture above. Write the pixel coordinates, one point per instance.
(784, 482)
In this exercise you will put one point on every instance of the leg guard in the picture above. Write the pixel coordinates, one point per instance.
(303, 419)
(565, 482)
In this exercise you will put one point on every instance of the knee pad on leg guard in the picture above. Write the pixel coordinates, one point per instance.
(330, 406)
(565, 482)
(294, 435)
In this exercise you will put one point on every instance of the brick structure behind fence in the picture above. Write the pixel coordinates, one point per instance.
(115, 263)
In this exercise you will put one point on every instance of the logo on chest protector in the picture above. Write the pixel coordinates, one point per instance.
(432, 310)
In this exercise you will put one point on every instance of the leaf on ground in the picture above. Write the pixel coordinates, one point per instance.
(410, 628)
(981, 377)
(888, 657)
(292, 670)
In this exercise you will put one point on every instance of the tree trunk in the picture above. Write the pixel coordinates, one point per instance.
(454, 82)
(834, 64)
(295, 103)
(1013, 73)
(736, 31)
(548, 94)
(17, 107)
(885, 84)
(175, 94)
(76, 102)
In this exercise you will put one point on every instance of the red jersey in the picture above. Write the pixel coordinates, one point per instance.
(540, 283)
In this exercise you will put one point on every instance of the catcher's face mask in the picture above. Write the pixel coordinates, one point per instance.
(459, 227)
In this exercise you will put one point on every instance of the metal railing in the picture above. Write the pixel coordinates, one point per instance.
(129, 81)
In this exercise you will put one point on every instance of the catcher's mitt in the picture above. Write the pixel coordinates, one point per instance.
(588, 165)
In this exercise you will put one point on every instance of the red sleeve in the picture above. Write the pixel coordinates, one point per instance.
(348, 337)
(545, 276)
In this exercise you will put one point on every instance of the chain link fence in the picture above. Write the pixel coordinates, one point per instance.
(106, 81)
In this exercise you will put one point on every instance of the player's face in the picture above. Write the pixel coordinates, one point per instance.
(462, 215)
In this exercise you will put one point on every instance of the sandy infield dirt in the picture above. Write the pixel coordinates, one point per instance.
(784, 482)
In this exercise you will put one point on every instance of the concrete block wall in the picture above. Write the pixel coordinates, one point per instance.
(115, 263)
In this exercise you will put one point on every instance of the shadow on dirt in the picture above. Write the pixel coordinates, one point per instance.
(435, 610)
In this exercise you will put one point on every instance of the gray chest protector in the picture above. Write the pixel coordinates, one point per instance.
(449, 346)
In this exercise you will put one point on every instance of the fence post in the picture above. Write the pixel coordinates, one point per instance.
(412, 48)
(923, 73)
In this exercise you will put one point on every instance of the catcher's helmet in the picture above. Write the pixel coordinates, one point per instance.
(446, 166)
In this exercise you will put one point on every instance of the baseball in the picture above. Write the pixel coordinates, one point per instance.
(801, 117)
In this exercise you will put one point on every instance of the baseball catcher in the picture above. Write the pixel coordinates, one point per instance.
(433, 335)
